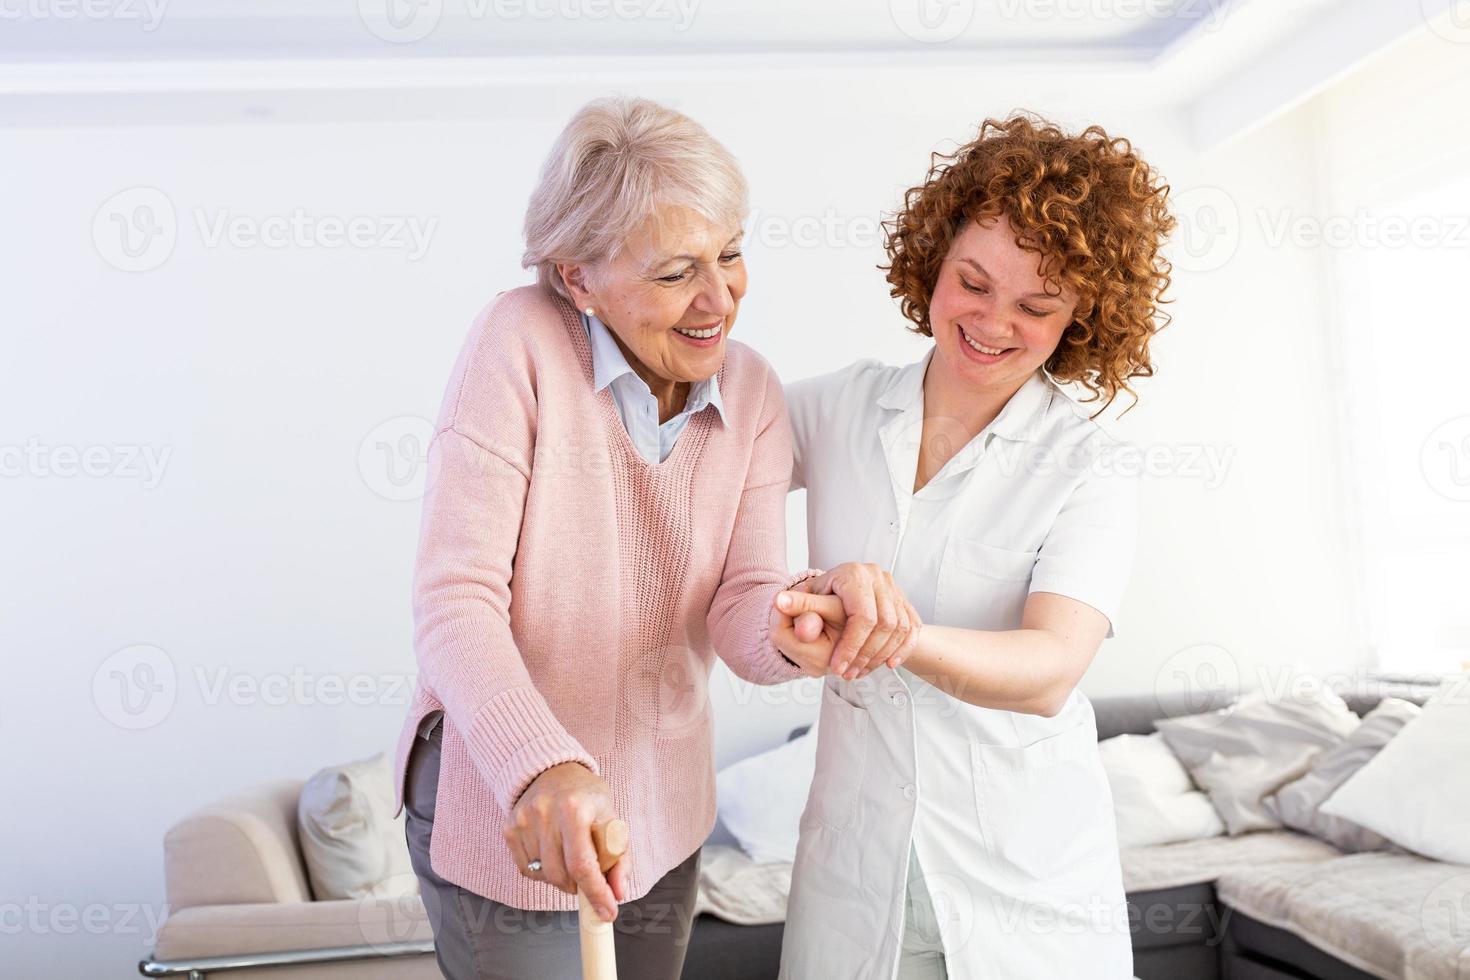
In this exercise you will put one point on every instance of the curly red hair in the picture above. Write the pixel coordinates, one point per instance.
(1088, 204)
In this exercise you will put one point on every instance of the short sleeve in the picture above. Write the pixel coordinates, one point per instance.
(810, 404)
(802, 408)
(1088, 553)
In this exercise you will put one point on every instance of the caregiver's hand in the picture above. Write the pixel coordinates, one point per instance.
(553, 821)
(879, 625)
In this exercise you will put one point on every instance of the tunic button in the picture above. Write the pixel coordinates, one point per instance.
(898, 698)
(909, 792)
(893, 526)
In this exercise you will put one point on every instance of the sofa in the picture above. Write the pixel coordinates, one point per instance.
(240, 904)
(1222, 924)
(1266, 905)
(1251, 907)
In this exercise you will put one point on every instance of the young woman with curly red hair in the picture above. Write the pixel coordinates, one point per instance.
(960, 823)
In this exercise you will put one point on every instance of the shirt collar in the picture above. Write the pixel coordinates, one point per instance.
(1018, 419)
(609, 364)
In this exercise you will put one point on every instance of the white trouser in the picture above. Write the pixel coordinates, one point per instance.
(922, 955)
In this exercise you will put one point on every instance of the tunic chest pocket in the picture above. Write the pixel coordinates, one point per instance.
(842, 751)
(990, 561)
(982, 586)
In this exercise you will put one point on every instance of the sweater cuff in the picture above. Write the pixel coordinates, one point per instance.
(796, 580)
(515, 738)
(801, 577)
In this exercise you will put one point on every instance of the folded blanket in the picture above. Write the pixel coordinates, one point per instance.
(734, 888)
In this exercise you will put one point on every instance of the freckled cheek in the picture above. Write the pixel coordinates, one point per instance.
(947, 303)
(1044, 338)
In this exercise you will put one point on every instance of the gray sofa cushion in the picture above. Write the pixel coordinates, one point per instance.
(1193, 861)
(1244, 753)
(1388, 914)
(1296, 804)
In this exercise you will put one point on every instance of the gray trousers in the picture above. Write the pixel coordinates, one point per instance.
(476, 938)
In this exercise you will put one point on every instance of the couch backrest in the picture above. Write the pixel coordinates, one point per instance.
(243, 848)
(1135, 714)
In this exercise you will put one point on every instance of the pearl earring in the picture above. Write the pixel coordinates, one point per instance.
(588, 311)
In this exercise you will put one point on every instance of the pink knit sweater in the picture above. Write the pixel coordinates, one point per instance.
(569, 596)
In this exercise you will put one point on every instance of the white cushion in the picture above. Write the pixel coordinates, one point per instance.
(1416, 790)
(761, 798)
(1154, 800)
(351, 843)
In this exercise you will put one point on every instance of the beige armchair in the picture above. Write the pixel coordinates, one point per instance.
(240, 905)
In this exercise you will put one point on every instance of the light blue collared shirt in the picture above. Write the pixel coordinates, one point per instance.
(636, 404)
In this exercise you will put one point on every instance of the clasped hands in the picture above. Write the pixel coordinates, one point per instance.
(848, 622)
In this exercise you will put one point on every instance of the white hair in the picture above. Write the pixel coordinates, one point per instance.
(616, 164)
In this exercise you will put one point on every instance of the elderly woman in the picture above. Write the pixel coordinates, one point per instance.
(604, 514)
(960, 823)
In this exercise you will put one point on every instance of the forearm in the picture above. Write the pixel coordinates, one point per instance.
(755, 559)
(1024, 670)
(739, 626)
(466, 652)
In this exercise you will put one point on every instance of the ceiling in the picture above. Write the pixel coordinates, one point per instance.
(41, 31)
(131, 29)
(1228, 63)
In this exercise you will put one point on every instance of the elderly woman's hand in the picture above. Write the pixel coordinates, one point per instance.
(879, 625)
(869, 613)
(806, 641)
(553, 821)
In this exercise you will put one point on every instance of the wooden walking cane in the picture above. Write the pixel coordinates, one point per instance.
(598, 959)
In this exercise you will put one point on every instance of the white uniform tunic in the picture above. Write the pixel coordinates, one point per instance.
(1009, 814)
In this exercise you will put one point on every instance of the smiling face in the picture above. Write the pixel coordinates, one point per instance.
(994, 319)
(670, 296)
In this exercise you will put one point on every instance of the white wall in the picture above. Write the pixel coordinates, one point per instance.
(269, 546)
